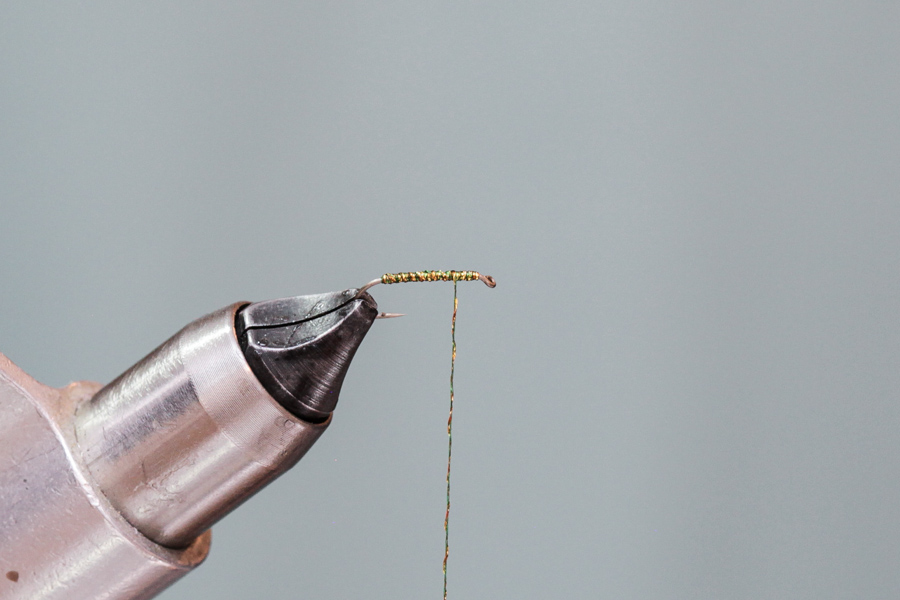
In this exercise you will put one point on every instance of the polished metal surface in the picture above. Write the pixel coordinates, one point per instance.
(292, 310)
(188, 433)
(60, 538)
(300, 348)
(109, 492)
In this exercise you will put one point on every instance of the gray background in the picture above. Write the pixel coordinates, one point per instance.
(685, 384)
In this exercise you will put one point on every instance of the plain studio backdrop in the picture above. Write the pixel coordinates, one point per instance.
(686, 382)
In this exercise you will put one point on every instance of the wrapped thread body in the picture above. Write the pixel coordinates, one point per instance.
(453, 276)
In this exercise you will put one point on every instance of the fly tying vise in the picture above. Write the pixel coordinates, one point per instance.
(455, 277)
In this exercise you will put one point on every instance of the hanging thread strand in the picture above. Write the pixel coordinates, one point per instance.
(455, 277)
(450, 437)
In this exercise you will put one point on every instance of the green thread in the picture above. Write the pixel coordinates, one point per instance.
(450, 436)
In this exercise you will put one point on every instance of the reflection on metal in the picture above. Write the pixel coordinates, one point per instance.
(60, 538)
(107, 493)
(188, 434)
